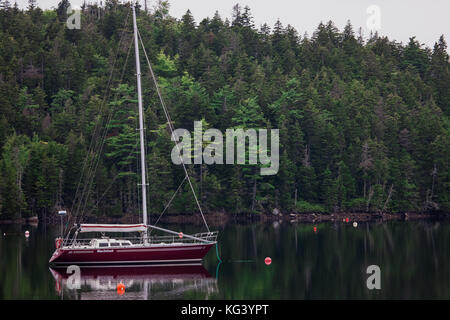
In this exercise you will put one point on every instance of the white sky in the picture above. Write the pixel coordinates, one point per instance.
(399, 19)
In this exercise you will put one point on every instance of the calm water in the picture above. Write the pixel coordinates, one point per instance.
(331, 263)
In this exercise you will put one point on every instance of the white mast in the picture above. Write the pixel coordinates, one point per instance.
(141, 125)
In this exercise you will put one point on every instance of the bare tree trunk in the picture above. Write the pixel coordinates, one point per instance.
(59, 197)
(364, 188)
(388, 198)
(433, 173)
(371, 191)
(42, 71)
(295, 198)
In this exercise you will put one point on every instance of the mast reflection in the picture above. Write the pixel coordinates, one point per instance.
(141, 282)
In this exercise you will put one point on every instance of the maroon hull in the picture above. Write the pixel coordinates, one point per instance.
(188, 253)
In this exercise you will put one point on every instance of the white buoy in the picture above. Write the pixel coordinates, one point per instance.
(355, 224)
(27, 234)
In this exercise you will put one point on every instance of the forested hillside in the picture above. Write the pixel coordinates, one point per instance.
(364, 125)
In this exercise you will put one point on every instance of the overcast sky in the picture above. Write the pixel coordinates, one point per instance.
(398, 19)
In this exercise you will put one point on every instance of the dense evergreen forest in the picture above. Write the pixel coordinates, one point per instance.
(364, 124)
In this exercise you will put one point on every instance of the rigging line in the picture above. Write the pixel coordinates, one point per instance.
(91, 171)
(171, 128)
(97, 127)
(146, 166)
(94, 163)
(110, 115)
(170, 201)
(147, 190)
(147, 175)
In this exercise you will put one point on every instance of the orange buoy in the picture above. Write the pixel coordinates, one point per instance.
(120, 289)
(267, 260)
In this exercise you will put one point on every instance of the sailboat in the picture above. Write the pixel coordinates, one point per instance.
(173, 249)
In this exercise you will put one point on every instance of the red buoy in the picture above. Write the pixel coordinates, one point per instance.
(120, 289)
(180, 235)
(315, 229)
(346, 219)
(267, 261)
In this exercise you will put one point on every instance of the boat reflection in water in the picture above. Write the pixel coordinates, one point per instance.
(140, 282)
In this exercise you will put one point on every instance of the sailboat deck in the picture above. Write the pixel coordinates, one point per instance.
(136, 242)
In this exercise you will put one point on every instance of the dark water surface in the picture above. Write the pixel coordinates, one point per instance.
(331, 263)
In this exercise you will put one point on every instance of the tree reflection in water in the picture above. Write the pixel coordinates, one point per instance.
(328, 264)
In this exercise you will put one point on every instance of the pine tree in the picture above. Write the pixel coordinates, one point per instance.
(237, 20)
(439, 74)
(363, 124)
(31, 5)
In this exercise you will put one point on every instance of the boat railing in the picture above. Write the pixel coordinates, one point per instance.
(194, 238)
(204, 237)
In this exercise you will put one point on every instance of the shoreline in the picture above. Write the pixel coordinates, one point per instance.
(221, 218)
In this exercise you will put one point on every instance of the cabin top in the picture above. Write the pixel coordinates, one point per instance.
(106, 243)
